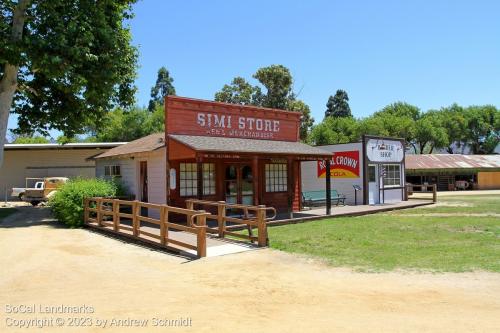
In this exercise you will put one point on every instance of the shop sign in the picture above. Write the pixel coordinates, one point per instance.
(378, 150)
(237, 126)
(344, 164)
(205, 118)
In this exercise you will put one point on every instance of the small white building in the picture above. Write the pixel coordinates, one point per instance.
(141, 167)
(375, 166)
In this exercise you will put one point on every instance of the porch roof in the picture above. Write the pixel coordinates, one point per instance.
(142, 145)
(248, 146)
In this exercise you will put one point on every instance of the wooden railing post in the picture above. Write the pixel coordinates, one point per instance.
(201, 223)
(99, 211)
(189, 204)
(221, 217)
(434, 193)
(262, 227)
(135, 218)
(116, 217)
(163, 225)
(249, 227)
(86, 211)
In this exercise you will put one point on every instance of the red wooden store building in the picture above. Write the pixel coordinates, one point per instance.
(234, 153)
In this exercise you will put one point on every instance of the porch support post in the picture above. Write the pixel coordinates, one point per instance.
(199, 171)
(290, 186)
(328, 189)
(256, 177)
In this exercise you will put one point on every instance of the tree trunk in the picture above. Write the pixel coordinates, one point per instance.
(8, 82)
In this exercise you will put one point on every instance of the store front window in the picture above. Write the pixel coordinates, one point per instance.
(188, 177)
(276, 177)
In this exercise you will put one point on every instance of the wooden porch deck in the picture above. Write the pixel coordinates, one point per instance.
(317, 213)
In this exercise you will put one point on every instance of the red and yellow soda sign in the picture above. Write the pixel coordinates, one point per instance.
(344, 164)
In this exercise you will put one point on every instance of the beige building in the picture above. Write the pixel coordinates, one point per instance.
(48, 160)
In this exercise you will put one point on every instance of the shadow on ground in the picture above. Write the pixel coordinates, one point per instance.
(29, 217)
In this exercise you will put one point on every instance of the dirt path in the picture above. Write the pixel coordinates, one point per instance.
(449, 214)
(258, 291)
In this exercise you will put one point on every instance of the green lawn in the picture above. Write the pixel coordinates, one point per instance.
(460, 204)
(381, 242)
(4, 212)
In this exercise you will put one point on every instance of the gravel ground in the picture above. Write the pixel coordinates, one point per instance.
(259, 291)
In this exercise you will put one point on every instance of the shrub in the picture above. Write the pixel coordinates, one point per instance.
(67, 203)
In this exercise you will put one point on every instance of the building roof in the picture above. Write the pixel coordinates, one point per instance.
(443, 162)
(142, 145)
(239, 145)
(44, 146)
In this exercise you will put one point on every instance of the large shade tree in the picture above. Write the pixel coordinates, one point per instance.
(64, 63)
(277, 82)
(483, 128)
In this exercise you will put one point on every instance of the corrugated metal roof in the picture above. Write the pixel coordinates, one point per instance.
(239, 145)
(451, 161)
(142, 145)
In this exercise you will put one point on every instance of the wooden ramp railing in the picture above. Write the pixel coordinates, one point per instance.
(413, 188)
(249, 217)
(108, 214)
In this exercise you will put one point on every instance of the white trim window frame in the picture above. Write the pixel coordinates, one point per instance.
(392, 176)
(112, 171)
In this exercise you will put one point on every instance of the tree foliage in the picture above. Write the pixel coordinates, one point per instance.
(277, 82)
(335, 130)
(474, 127)
(239, 91)
(307, 121)
(483, 131)
(64, 63)
(122, 126)
(338, 105)
(163, 87)
(23, 139)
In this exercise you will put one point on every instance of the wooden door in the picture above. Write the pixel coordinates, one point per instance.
(238, 184)
(143, 181)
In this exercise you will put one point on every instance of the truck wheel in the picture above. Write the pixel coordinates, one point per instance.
(35, 203)
(21, 196)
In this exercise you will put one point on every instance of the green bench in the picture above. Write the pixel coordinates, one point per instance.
(310, 198)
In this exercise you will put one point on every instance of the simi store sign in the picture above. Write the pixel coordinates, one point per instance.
(241, 127)
(344, 164)
(206, 118)
(378, 150)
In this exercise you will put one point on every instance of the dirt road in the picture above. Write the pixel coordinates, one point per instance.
(258, 291)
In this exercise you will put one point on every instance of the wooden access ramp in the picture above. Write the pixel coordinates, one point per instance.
(127, 219)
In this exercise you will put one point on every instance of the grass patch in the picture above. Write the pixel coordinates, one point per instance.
(4, 212)
(459, 204)
(383, 242)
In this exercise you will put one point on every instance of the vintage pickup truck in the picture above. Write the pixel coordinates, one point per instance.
(42, 191)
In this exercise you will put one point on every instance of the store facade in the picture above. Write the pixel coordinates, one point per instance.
(234, 153)
(368, 172)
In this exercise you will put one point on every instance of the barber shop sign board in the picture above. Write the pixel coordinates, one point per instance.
(378, 150)
(344, 164)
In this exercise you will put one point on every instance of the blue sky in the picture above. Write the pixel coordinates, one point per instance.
(428, 53)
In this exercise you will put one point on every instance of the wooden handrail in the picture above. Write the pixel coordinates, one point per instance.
(411, 188)
(258, 219)
(196, 221)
